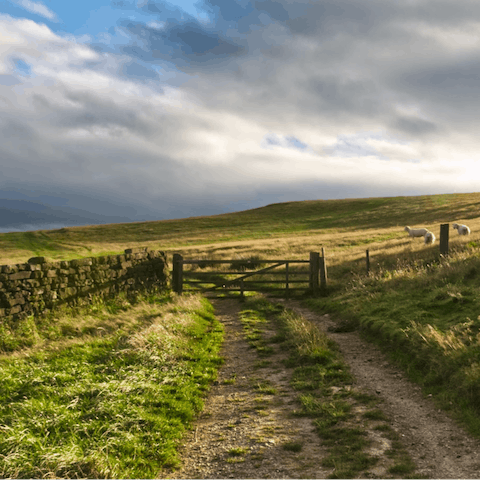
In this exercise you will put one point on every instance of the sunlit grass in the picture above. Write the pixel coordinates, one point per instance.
(424, 310)
(113, 405)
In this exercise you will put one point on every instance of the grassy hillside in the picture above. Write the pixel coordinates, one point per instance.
(349, 220)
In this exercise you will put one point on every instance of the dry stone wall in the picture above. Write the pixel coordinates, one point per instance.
(38, 286)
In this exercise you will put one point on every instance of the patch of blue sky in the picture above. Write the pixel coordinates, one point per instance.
(22, 68)
(89, 17)
(357, 145)
(296, 143)
(274, 140)
(350, 147)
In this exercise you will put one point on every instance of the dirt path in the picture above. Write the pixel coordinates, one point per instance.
(247, 429)
(242, 429)
(438, 446)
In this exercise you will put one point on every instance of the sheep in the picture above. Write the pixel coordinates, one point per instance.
(429, 238)
(462, 229)
(416, 232)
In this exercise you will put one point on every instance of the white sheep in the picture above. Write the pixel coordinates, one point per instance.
(462, 229)
(429, 238)
(416, 232)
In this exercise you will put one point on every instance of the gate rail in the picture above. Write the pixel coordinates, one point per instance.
(317, 275)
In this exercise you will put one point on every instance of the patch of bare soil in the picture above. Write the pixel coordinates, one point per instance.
(439, 447)
(247, 428)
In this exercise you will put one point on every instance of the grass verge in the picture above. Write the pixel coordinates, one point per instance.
(109, 403)
(424, 314)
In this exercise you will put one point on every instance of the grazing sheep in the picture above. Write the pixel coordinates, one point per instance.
(462, 229)
(416, 232)
(429, 238)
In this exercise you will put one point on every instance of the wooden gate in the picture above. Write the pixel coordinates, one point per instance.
(241, 279)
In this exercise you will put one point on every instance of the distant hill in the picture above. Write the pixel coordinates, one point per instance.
(26, 215)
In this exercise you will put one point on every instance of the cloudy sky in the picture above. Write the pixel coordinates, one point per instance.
(128, 110)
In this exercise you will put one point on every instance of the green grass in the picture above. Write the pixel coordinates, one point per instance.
(237, 451)
(110, 406)
(293, 446)
(95, 319)
(425, 315)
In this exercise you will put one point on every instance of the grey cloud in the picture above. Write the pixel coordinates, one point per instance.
(454, 83)
(275, 10)
(9, 80)
(184, 44)
(90, 110)
(139, 72)
(339, 96)
(414, 126)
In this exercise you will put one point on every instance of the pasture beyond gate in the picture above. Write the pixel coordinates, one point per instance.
(245, 275)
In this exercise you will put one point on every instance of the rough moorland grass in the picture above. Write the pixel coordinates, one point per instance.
(95, 319)
(317, 367)
(113, 405)
(425, 313)
(272, 221)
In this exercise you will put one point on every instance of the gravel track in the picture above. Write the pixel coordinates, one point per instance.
(242, 433)
(439, 447)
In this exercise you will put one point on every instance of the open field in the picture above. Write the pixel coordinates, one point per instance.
(344, 227)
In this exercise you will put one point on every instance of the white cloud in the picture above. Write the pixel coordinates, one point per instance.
(38, 8)
(156, 25)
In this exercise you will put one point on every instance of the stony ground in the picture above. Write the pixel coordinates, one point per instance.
(248, 430)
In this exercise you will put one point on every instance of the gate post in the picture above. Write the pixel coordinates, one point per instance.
(314, 270)
(177, 274)
(323, 270)
(444, 238)
(287, 293)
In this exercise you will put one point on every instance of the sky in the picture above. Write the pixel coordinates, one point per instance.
(133, 110)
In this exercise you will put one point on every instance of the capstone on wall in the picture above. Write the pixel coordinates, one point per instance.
(38, 286)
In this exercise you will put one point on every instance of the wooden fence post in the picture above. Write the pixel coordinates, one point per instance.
(368, 262)
(444, 232)
(314, 269)
(286, 280)
(323, 270)
(177, 274)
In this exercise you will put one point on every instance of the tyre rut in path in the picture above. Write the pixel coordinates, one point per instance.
(439, 447)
